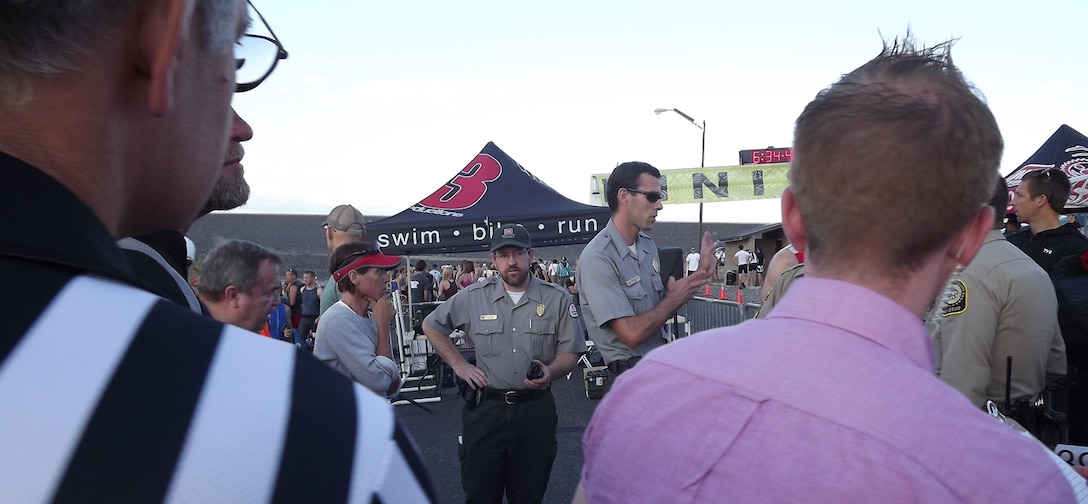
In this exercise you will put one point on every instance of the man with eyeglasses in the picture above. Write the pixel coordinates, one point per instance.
(1040, 199)
(525, 336)
(158, 257)
(624, 298)
(116, 123)
(239, 284)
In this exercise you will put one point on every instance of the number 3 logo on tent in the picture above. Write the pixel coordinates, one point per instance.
(468, 187)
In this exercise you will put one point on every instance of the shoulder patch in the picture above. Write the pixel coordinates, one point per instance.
(955, 298)
(573, 310)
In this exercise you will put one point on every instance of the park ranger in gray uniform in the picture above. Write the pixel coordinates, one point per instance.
(519, 324)
(1001, 305)
(623, 296)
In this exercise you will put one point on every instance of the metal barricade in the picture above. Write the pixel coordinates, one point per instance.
(706, 313)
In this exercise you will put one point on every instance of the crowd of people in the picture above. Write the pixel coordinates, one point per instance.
(120, 382)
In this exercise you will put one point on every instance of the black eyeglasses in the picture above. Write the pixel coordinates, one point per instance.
(256, 56)
(651, 196)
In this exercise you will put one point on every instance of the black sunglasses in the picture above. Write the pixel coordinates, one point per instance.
(651, 196)
(256, 56)
(370, 248)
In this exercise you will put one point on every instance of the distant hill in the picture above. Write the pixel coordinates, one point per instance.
(300, 239)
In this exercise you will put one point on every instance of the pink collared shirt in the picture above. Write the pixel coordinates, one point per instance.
(831, 398)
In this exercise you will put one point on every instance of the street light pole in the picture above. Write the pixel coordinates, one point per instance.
(702, 157)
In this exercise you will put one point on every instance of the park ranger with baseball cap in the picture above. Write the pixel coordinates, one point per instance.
(525, 336)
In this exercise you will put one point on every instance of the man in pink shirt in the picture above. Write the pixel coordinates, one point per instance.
(833, 396)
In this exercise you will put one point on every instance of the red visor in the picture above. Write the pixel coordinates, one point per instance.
(372, 258)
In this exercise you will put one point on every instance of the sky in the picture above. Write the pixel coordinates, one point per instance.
(381, 102)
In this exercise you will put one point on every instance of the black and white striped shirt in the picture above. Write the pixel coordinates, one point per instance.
(111, 394)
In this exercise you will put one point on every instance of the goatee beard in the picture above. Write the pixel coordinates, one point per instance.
(227, 196)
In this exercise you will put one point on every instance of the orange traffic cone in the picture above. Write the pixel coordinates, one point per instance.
(707, 291)
(721, 293)
(740, 300)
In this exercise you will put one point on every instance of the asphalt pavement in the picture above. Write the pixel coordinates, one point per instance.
(436, 434)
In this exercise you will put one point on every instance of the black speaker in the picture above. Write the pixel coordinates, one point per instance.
(672, 263)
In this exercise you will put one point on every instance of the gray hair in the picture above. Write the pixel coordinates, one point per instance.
(50, 37)
(233, 262)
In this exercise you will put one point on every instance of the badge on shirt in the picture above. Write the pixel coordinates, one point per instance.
(635, 280)
(573, 311)
(955, 298)
(656, 265)
(540, 310)
(489, 317)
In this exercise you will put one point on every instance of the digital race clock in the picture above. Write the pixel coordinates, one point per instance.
(770, 155)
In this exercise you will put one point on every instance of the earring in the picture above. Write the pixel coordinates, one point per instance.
(958, 269)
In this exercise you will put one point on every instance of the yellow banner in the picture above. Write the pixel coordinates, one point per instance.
(716, 184)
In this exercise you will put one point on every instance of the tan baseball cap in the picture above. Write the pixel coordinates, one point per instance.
(347, 219)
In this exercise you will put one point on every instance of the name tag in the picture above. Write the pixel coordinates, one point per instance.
(489, 317)
(634, 281)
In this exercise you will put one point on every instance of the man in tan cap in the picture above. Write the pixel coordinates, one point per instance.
(343, 225)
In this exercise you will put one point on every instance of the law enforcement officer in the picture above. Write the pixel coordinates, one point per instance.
(623, 297)
(517, 323)
(1001, 305)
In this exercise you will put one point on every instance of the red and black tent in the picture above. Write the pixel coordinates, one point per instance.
(491, 190)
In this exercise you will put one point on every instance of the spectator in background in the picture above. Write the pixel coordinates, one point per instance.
(756, 265)
(344, 225)
(692, 262)
(1040, 198)
(310, 303)
(292, 289)
(347, 337)
(447, 287)
(436, 274)
(564, 272)
(419, 285)
(743, 258)
(468, 274)
(239, 284)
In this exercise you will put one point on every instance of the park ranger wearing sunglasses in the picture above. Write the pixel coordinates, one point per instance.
(623, 296)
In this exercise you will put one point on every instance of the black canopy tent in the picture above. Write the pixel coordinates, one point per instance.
(490, 191)
(1067, 150)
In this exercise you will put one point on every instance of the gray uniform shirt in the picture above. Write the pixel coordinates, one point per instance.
(614, 284)
(508, 336)
(1002, 304)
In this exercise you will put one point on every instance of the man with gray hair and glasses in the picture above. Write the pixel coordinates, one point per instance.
(116, 123)
(240, 284)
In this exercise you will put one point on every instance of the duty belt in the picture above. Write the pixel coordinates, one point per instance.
(514, 396)
(619, 366)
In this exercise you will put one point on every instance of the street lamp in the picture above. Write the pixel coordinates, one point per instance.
(702, 156)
